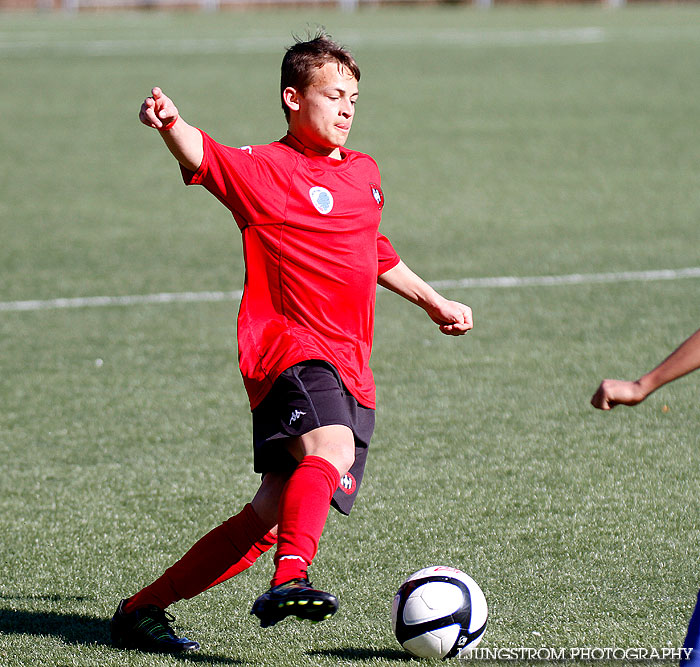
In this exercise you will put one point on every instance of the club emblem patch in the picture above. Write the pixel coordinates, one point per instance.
(347, 484)
(377, 194)
(321, 199)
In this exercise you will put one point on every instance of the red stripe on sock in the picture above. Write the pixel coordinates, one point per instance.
(303, 511)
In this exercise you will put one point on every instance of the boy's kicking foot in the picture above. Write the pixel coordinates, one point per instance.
(294, 598)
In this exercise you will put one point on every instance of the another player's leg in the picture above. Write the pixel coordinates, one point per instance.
(141, 621)
(692, 640)
(326, 453)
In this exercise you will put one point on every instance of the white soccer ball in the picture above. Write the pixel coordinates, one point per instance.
(439, 612)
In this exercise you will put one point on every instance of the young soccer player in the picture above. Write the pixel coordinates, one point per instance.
(309, 212)
(683, 360)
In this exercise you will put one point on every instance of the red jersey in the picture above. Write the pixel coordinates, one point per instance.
(312, 254)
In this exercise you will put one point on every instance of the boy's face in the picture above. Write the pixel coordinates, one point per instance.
(321, 116)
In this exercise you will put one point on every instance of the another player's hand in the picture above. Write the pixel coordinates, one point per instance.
(617, 392)
(453, 318)
(158, 110)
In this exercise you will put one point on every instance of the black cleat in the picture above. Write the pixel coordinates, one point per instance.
(294, 598)
(148, 629)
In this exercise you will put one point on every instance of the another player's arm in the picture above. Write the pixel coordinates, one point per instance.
(453, 318)
(183, 141)
(683, 360)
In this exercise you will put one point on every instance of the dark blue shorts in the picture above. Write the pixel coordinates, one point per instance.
(303, 398)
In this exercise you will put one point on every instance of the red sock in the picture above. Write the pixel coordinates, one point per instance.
(222, 553)
(303, 510)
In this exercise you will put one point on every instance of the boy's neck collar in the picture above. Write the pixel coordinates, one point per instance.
(298, 146)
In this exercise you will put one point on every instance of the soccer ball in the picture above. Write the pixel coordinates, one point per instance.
(439, 612)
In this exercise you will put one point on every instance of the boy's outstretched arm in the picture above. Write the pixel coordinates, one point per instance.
(183, 141)
(684, 359)
(453, 318)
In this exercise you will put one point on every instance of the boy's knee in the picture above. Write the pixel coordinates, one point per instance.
(335, 444)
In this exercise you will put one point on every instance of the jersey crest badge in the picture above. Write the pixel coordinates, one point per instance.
(247, 149)
(321, 199)
(377, 194)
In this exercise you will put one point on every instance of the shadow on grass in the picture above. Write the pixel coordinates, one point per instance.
(356, 653)
(76, 629)
(49, 597)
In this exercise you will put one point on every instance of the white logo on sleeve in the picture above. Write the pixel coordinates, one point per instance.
(321, 199)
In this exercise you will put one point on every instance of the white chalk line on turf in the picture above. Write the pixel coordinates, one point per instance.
(498, 281)
(571, 279)
(272, 44)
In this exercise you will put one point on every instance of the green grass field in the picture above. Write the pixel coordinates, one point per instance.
(513, 142)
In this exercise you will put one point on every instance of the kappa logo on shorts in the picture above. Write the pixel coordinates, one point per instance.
(295, 415)
(322, 199)
(377, 194)
(347, 484)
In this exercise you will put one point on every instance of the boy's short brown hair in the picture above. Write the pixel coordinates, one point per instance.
(303, 58)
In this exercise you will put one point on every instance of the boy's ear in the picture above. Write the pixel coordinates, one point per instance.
(290, 96)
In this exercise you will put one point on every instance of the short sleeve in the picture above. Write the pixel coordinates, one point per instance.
(244, 180)
(387, 257)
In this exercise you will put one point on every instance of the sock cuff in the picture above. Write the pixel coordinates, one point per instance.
(250, 516)
(326, 467)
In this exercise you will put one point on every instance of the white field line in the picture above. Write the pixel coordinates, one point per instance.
(272, 44)
(31, 43)
(571, 279)
(129, 300)
(499, 281)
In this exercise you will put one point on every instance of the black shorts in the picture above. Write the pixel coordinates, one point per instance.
(303, 398)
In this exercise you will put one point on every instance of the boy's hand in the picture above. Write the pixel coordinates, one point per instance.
(158, 111)
(617, 392)
(454, 318)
